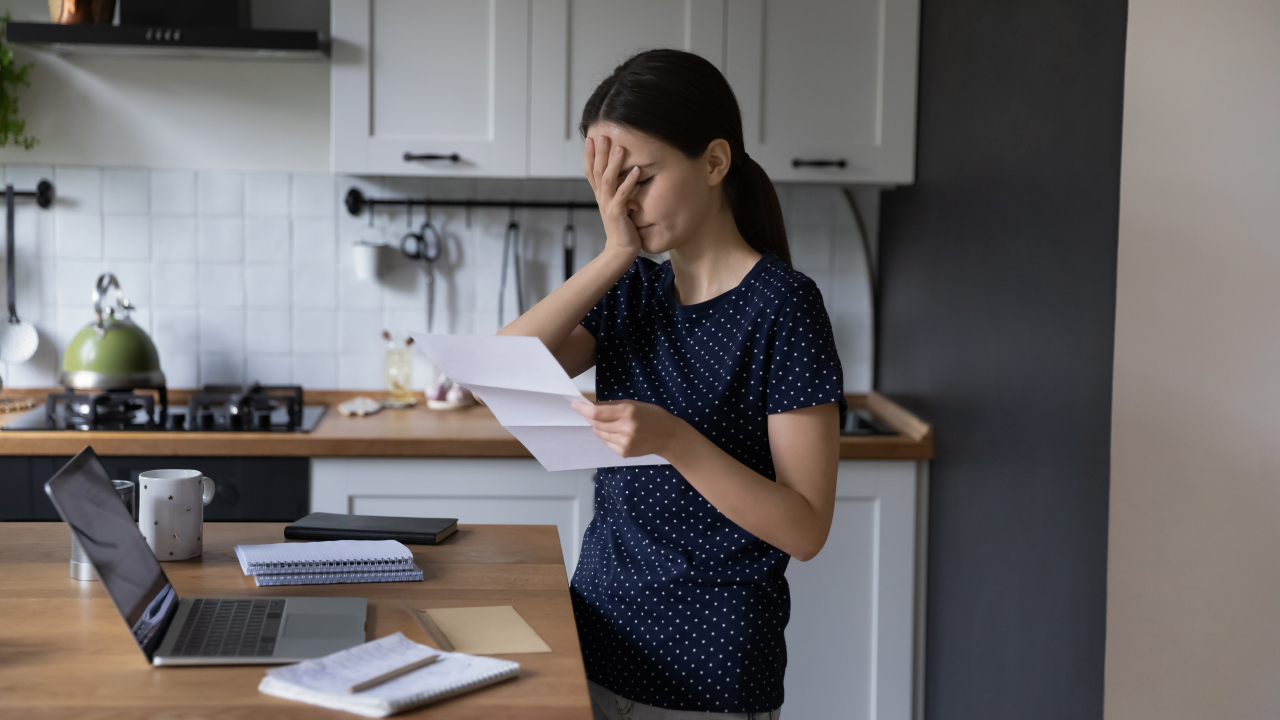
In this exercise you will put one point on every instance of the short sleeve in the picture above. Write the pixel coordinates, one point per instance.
(595, 317)
(804, 369)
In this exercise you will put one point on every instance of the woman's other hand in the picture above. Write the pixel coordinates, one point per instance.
(631, 428)
(603, 166)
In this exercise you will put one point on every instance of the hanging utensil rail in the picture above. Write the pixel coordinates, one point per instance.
(356, 203)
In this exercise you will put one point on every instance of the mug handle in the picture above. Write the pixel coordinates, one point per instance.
(209, 489)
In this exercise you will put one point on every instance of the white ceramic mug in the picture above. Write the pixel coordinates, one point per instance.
(171, 511)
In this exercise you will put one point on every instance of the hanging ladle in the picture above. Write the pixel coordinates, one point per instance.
(18, 337)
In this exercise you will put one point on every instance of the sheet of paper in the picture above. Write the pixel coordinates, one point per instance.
(530, 394)
(487, 630)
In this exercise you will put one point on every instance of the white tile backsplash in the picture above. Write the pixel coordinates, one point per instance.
(173, 284)
(314, 241)
(126, 237)
(220, 193)
(79, 235)
(78, 189)
(266, 194)
(222, 331)
(175, 331)
(173, 238)
(315, 286)
(247, 276)
(313, 196)
(315, 332)
(125, 191)
(173, 192)
(267, 286)
(269, 330)
(316, 371)
(221, 286)
(266, 239)
(220, 239)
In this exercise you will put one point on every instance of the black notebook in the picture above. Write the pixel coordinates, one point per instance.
(332, 526)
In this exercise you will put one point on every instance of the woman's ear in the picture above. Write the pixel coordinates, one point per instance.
(717, 158)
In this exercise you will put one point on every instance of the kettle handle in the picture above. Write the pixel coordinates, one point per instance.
(107, 281)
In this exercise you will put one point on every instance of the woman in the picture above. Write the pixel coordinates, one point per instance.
(722, 362)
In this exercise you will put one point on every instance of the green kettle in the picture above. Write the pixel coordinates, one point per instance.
(111, 353)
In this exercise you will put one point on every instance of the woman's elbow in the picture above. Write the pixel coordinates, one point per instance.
(810, 549)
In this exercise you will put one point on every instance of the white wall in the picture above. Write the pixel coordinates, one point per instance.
(1193, 607)
(144, 112)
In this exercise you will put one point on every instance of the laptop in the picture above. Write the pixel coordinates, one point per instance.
(191, 631)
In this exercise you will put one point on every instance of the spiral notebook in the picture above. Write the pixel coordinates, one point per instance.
(320, 681)
(333, 561)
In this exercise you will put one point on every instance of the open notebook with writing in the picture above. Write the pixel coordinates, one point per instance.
(322, 681)
(332, 561)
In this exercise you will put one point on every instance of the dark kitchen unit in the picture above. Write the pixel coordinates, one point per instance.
(265, 489)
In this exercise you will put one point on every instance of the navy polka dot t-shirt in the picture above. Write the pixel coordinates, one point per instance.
(676, 605)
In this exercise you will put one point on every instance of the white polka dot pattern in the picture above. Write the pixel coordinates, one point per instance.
(678, 607)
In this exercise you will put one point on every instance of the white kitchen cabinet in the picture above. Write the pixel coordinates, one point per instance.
(502, 83)
(850, 639)
(437, 77)
(855, 616)
(574, 44)
(481, 491)
(826, 80)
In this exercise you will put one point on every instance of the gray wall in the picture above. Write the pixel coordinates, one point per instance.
(997, 321)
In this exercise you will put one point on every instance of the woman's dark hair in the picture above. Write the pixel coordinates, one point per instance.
(683, 100)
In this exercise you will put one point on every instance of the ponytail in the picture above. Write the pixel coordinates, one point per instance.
(757, 212)
(684, 100)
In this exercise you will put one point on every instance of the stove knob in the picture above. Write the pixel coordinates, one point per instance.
(264, 421)
(206, 421)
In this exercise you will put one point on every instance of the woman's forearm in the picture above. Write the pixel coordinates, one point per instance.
(556, 315)
(772, 511)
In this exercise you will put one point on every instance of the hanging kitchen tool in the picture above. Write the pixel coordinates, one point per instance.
(111, 352)
(511, 249)
(425, 245)
(18, 338)
(570, 241)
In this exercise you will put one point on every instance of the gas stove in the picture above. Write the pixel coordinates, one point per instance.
(214, 408)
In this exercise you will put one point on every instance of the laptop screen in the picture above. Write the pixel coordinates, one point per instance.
(87, 501)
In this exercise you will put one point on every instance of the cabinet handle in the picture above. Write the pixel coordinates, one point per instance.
(797, 162)
(410, 157)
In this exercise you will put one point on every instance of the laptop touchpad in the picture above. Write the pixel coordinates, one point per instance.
(308, 626)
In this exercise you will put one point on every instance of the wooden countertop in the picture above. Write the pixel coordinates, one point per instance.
(68, 654)
(413, 432)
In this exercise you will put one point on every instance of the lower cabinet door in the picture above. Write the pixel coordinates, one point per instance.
(481, 491)
(849, 640)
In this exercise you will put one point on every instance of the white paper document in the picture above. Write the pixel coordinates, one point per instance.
(531, 395)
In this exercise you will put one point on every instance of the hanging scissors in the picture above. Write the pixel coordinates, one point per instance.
(425, 245)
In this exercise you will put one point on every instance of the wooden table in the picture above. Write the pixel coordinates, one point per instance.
(65, 651)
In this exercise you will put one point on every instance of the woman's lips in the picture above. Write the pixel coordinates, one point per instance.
(640, 228)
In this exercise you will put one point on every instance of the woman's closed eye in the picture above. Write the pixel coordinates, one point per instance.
(644, 181)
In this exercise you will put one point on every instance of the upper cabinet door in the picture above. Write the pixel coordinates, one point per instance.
(439, 77)
(577, 43)
(826, 81)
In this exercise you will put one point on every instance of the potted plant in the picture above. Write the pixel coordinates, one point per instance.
(12, 76)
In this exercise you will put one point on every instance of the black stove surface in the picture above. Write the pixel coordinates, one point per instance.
(251, 408)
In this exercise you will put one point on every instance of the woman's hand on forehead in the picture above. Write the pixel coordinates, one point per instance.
(603, 167)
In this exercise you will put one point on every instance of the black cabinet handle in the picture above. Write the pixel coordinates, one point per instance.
(797, 162)
(410, 157)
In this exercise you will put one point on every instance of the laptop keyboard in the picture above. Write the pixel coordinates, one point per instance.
(230, 628)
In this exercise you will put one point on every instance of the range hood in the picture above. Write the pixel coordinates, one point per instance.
(223, 42)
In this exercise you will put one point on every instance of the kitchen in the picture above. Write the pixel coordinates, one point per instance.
(256, 222)
(1043, 234)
